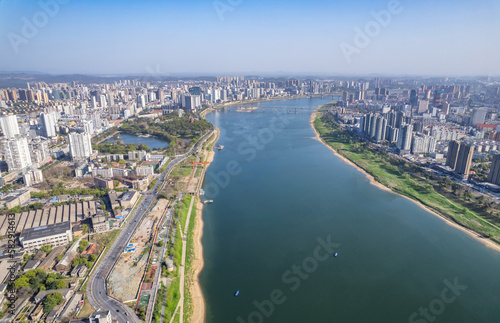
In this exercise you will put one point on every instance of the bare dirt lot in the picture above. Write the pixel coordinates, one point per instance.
(125, 279)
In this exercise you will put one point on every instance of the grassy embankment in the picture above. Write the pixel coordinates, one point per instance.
(437, 193)
(188, 302)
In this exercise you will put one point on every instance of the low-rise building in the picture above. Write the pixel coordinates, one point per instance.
(100, 224)
(14, 199)
(58, 234)
(65, 264)
(51, 259)
(103, 183)
(129, 198)
(79, 271)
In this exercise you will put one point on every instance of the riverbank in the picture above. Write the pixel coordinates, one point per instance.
(199, 305)
(450, 218)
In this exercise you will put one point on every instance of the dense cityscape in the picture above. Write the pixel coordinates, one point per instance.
(68, 178)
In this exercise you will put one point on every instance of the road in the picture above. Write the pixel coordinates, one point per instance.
(96, 285)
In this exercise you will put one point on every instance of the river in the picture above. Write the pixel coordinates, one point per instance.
(283, 204)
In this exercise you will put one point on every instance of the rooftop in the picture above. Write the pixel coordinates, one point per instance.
(46, 230)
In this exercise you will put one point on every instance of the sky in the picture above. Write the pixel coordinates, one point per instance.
(229, 37)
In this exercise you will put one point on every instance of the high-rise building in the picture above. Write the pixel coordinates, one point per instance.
(494, 175)
(48, 122)
(88, 126)
(10, 127)
(413, 98)
(39, 150)
(451, 158)
(423, 105)
(380, 128)
(438, 97)
(464, 159)
(478, 116)
(404, 137)
(16, 152)
(80, 146)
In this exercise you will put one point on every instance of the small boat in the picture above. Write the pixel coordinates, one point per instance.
(237, 293)
(219, 147)
(336, 254)
(208, 201)
(202, 192)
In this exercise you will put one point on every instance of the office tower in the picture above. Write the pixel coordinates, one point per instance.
(451, 158)
(111, 99)
(80, 146)
(494, 175)
(344, 96)
(10, 127)
(464, 159)
(48, 122)
(404, 137)
(160, 96)
(17, 153)
(438, 97)
(413, 98)
(423, 105)
(141, 101)
(478, 116)
(102, 101)
(23, 95)
(446, 108)
(195, 90)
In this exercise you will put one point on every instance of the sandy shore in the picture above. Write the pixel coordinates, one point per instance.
(199, 306)
(485, 241)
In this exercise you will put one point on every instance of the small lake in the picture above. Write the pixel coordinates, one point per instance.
(153, 143)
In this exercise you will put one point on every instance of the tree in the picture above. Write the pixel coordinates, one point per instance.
(61, 284)
(141, 313)
(85, 229)
(46, 248)
(21, 282)
(51, 301)
(160, 243)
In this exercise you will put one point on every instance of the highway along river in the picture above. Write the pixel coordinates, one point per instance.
(284, 205)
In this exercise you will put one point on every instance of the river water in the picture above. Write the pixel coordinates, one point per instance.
(283, 204)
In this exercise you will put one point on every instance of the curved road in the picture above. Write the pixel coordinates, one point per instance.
(96, 286)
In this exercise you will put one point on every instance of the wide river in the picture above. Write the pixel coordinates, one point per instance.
(283, 204)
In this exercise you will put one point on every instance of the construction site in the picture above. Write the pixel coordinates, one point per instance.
(127, 275)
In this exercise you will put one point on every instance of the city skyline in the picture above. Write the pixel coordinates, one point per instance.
(243, 37)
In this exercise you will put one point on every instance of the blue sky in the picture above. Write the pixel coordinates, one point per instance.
(251, 36)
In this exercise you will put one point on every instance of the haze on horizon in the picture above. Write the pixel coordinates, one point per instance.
(452, 38)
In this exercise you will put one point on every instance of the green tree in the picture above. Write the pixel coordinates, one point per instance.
(46, 248)
(51, 301)
(85, 228)
(61, 284)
